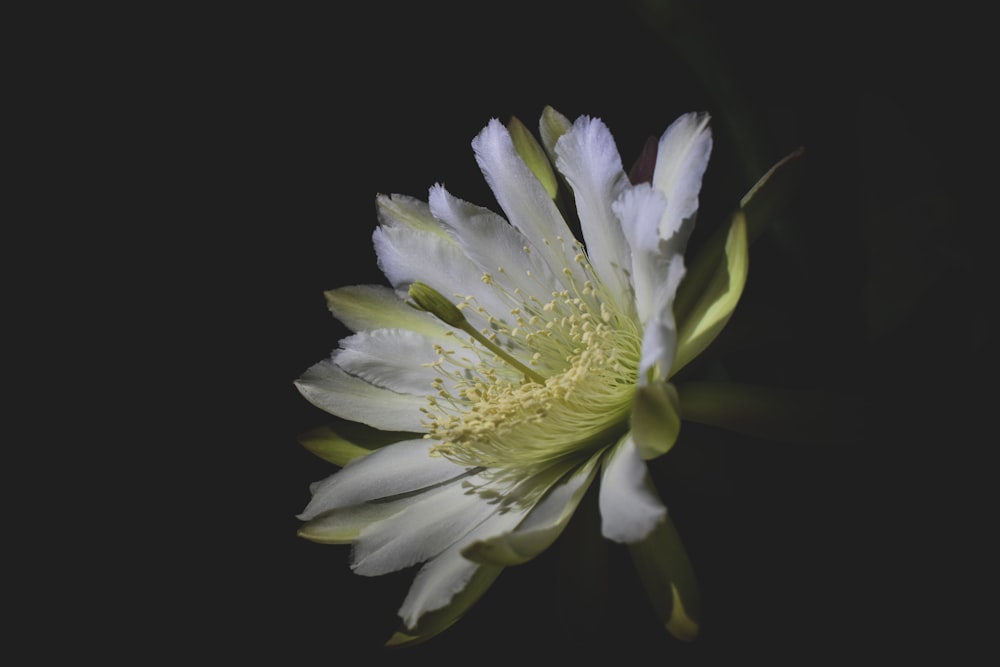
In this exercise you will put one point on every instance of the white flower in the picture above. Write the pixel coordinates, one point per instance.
(509, 367)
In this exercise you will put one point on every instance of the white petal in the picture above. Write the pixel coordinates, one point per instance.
(657, 271)
(630, 506)
(364, 307)
(390, 358)
(329, 388)
(431, 523)
(639, 209)
(492, 242)
(403, 467)
(681, 159)
(524, 200)
(588, 158)
(541, 527)
(659, 338)
(407, 255)
(441, 578)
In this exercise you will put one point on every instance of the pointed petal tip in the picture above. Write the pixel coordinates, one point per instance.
(304, 533)
(321, 538)
(680, 625)
(405, 637)
(401, 639)
(330, 446)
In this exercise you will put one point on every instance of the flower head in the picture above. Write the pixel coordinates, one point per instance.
(508, 366)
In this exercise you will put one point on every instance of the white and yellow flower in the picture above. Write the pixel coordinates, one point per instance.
(508, 366)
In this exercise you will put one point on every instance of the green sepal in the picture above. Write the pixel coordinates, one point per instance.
(758, 208)
(763, 204)
(779, 414)
(343, 525)
(542, 526)
(533, 155)
(709, 293)
(656, 421)
(369, 307)
(435, 622)
(343, 441)
(666, 573)
(551, 126)
(410, 211)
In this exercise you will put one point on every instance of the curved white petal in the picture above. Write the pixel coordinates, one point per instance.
(630, 506)
(394, 359)
(659, 338)
(541, 527)
(492, 242)
(524, 200)
(589, 159)
(427, 526)
(447, 574)
(639, 209)
(657, 272)
(365, 307)
(408, 255)
(329, 388)
(403, 467)
(681, 159)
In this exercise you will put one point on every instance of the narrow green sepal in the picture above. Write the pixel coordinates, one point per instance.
(533, 155)
(407, 210)
(543, 525)
(666, 573)
(435, 622)
(761, 204)
(656, 420)
(551, 126)
(329, 446)
(343, 525)
(772, 413)
(307, 533)
(759, 207)
(343, 441)
(709, 293)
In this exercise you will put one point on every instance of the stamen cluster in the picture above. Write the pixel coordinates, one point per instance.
(585, 356)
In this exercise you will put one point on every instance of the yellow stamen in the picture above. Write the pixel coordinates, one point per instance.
(586, 354)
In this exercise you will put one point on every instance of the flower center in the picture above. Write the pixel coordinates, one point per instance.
(553, 380)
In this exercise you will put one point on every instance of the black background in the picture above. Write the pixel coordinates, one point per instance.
(246, 146)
